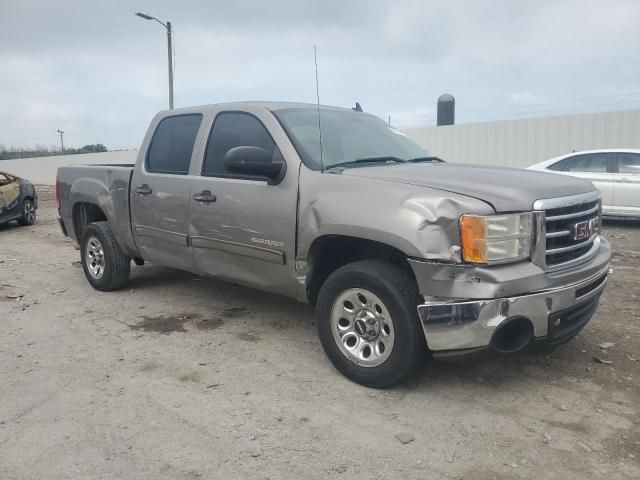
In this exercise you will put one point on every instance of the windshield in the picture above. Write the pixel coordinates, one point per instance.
(347, 137)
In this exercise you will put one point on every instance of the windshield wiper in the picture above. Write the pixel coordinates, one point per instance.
(426, 159)
(360, 161)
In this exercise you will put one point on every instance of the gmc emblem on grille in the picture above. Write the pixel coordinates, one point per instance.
(582, 230)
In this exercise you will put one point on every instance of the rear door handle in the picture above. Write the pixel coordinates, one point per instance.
(144, 190)
(205, 197)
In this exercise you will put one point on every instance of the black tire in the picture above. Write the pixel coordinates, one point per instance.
(116, 265)
(28, 213)
(399, 293)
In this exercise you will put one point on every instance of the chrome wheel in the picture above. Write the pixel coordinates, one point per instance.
(94, 256)
(362, 327)
(29, 212)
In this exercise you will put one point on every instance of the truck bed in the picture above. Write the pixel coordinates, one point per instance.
(105, 186)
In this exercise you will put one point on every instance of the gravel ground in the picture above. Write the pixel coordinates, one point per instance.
(184, 377)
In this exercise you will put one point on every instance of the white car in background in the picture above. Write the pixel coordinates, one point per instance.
(615, 172)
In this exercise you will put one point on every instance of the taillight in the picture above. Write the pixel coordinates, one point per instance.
(58, 193)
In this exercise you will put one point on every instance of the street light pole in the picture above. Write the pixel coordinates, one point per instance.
(170, 54)
(61, 141)
(167, 26)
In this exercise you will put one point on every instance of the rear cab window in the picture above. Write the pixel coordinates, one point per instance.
(172, 144)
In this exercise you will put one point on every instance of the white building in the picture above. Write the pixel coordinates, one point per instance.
(520, 143)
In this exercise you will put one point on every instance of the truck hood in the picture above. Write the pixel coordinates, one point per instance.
(505, 189)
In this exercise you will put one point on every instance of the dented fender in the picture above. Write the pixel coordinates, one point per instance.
(418, 221)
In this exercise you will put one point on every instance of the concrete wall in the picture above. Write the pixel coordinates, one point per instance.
(42, 170)
(520, 143)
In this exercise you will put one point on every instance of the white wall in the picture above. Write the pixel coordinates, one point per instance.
(520, 143)
(42, 170)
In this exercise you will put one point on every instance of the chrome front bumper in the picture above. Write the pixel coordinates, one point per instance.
(459, 324)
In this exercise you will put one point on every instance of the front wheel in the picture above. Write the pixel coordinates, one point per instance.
(104, 264)
(368, 323)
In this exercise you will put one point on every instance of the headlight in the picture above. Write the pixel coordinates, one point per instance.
(495, 238)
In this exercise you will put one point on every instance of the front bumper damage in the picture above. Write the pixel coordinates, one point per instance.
(555, 315)
(497, 304)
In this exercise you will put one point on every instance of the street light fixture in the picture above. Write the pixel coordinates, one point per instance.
(145, 16)
(169, 51)
(61, 141)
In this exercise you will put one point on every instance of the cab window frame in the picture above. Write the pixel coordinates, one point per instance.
(230, 175)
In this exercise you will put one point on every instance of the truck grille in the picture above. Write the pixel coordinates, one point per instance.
(571, 231)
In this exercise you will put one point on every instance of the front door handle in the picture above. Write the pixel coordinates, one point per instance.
(144, 190)
(205, 197)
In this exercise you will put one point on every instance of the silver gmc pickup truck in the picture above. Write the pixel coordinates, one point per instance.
(402, 254)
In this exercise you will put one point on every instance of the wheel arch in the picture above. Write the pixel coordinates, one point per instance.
(84, 213)
(329, 252)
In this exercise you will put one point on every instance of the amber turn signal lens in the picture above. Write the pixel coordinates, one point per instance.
(473, 237)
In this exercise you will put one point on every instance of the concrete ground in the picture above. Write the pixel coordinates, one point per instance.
(180, 377)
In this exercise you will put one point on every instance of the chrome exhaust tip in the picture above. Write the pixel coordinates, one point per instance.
(512, 335)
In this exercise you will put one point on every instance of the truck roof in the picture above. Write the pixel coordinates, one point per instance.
(271, 106)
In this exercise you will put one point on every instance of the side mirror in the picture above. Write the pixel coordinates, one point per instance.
(255, 161)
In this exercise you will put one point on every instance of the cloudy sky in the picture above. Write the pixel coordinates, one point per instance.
(99, 73)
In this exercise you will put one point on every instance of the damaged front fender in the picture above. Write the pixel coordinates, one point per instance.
(418, 221)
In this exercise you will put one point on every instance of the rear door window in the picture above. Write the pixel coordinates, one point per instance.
(172, 144)
(629, 163)
(592, 162)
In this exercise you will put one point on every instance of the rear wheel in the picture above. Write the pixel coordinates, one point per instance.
(368, 323)
(28, 213)
(104, 264)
